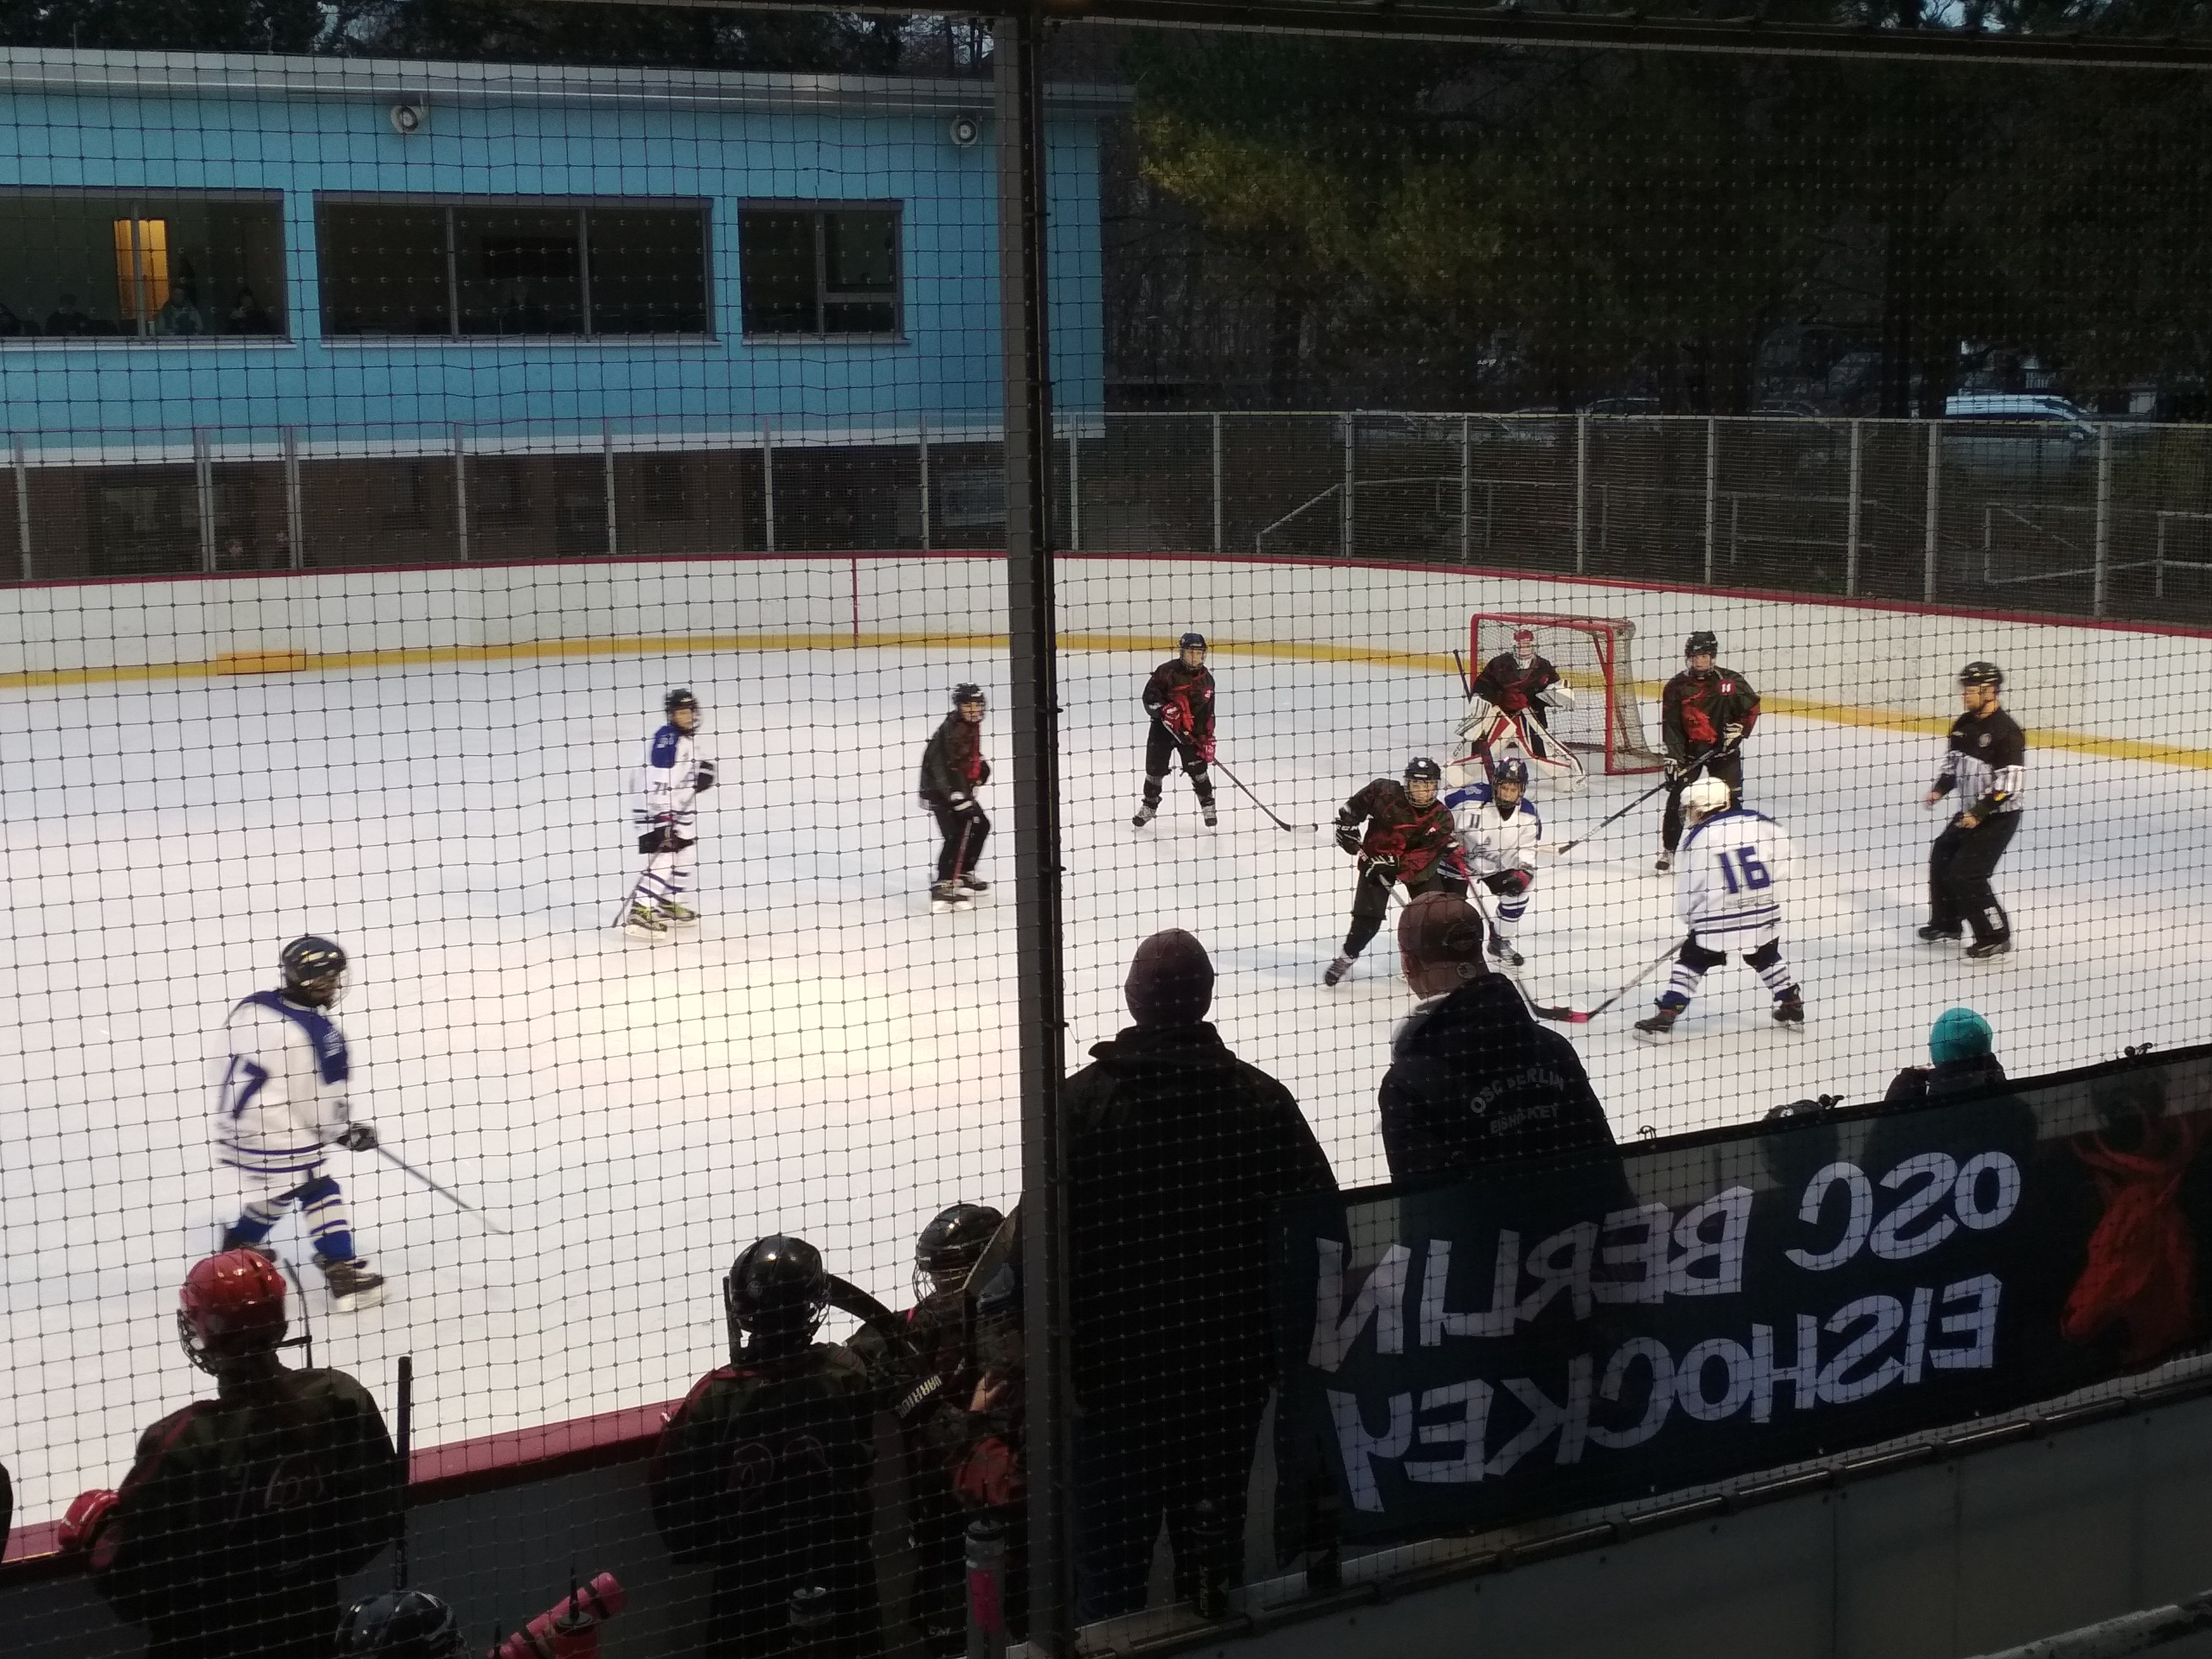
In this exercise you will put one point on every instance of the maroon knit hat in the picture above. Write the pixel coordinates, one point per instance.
(1438, 928)
(1171, 981)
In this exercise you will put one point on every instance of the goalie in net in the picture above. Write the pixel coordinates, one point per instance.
(1549, 689)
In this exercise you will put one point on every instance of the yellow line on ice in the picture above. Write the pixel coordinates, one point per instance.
(263, 663)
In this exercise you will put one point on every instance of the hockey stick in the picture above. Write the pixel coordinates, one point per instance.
(628, 904)
(1191, 754)
(1583, 1017)
(1466, 685)
(1566, 847)
(445, 1193)
(405, 1448)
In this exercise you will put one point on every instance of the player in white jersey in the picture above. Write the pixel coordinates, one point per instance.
(676, 775)
(281, 1100)
(1728, 873)
(1498, 829)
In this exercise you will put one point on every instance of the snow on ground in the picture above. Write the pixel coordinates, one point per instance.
(824, 1056)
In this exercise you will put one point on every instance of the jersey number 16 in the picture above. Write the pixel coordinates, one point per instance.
(1741, 870)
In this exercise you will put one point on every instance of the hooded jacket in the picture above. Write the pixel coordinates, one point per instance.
(1474, 1080)
(1951, 1076)
(1178, 1155)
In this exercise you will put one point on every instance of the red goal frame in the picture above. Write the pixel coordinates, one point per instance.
(1623, 748)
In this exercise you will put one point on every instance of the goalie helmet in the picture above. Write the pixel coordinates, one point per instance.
(232, 1305)
(1981, 673)
(1525, 643)
(1705, 798)
(409, 1624)
(776, 1294)
(1702, 643)
(314, 971)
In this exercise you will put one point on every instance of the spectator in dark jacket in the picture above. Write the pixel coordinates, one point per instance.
(1474, 1080)
(1959, 1045)
(1179, 1154)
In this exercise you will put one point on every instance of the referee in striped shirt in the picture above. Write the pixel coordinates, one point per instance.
(1987, 763)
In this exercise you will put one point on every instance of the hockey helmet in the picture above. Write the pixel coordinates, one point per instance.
(1981, 673)
(409, 1624)
(1421, 767)
(967, 692)
(314, 971)
(775, 1292)
(1705, 798)
(1194, 641)
(952, 1243)
(1702, 643)
(678, 701)
(1524, 642)
(1513, 770)
(232, 1305)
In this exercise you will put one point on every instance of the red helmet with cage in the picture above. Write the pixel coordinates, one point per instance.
(233, 1304)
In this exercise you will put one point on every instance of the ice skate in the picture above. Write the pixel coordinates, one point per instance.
(1213, 817)
(1337, 970)
(352, 1286)
(1503, 953)
(1146, 814)
(1666, 863)
(945, 896)
(1989, 950)
(1658, 1027)
(678, 915)
(971, 884)
(643, 923)
(1935, 933)
(1790, 1010)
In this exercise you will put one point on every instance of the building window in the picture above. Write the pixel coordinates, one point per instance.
(118, 264)
(526, 270)
(819, 270)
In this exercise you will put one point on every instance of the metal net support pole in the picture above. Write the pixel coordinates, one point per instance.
(1028, 405)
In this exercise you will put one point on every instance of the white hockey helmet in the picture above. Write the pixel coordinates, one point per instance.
(1705, 798)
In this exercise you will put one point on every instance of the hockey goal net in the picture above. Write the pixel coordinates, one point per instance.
(1593, 655)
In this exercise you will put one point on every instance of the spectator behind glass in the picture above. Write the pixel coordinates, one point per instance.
(12, 326)
(1178, 1155)
(242, 1514)
(1960, 1044)
(1474, 1080)
(179, 316)
(66, 319)
(247, 315)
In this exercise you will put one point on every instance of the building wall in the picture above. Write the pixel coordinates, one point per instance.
(133, 396)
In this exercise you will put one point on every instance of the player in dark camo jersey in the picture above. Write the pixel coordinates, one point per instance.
(1409, 836)
(1179, 697)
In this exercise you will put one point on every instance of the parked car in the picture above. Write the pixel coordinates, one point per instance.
(2020, 438)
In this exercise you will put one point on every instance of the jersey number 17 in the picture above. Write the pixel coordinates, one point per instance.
(1742, 871)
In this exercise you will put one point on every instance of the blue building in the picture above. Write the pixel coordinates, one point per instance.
(251, 307)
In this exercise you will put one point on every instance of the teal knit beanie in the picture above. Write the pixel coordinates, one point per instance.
(1958, 1034)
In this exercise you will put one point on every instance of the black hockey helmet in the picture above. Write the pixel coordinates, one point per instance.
(966, 691)
(1702, 643)
(1194, 641)
(313, 970)
(776, 1294)
(1421, 768)
(1981, 673)
(409, 1624)
(1513, 770)
(952, 1243)
(680, 698)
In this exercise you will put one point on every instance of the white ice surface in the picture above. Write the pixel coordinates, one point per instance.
(824, 1056)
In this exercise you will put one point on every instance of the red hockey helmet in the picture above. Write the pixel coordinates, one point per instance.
(231, 1305)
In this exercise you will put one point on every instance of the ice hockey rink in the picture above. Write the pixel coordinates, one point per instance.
(822, 1055)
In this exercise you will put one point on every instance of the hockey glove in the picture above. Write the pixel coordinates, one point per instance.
(1509, 884)
(88, 1513)
(705, 778)
(1676, 769)
(359, 1138)
(962, 803)
(1205, 747)
(1176, 718)
(1348, 837)
(1384, 865)
(1732, 737)
(984, 774)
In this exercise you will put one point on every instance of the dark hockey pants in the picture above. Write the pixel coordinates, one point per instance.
(1728, 768)
(1161, 747)
(1370, 901)
(1959, 867)
(964, 835)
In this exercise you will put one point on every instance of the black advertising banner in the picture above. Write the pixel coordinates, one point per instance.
(1529, 1343)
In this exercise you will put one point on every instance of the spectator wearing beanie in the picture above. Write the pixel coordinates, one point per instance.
(1178, 1154)
(1474, 1080)
(1959, 1045)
